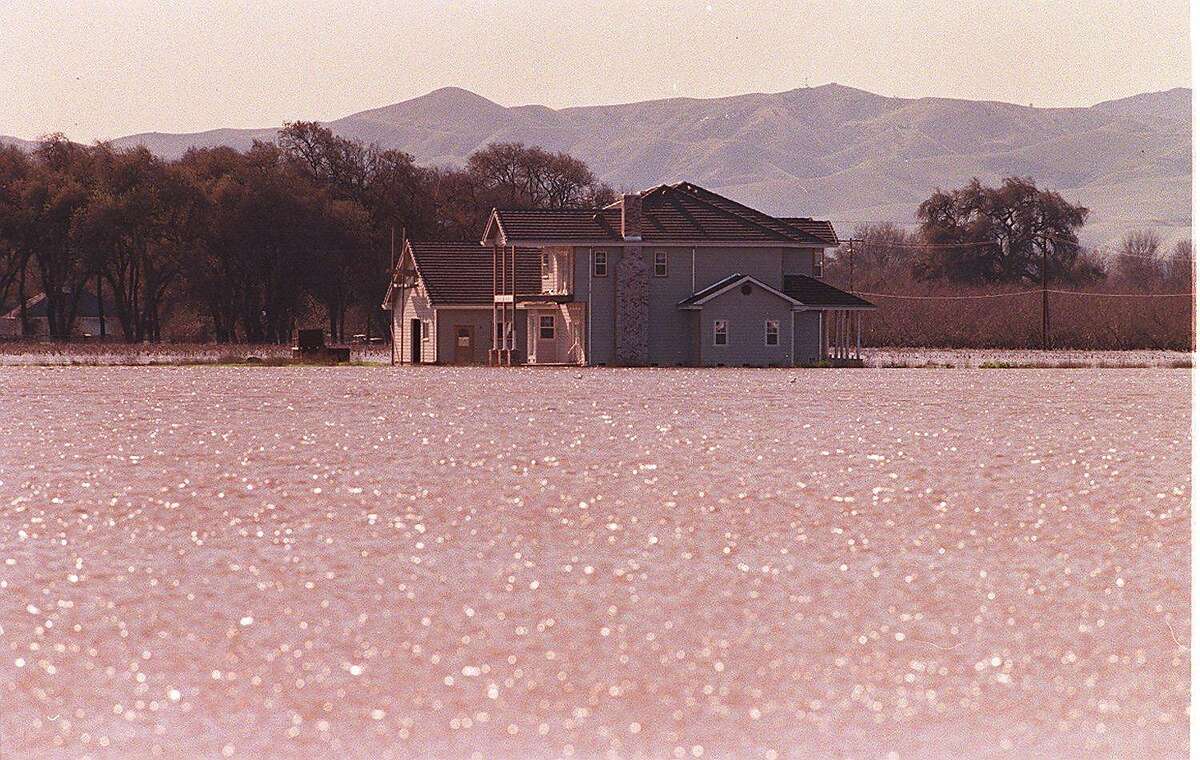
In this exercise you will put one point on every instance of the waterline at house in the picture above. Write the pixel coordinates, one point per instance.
(673, 276)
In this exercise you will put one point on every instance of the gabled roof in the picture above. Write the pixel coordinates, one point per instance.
(816, 294)
(461, 272)
(88, 307)
(566, 225)
(818, 228)
(724, 285)
(677, 213)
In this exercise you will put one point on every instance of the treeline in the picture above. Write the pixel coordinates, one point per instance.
(241, 246)
(973, 244)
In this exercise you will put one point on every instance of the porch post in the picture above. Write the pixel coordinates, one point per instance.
(858, 336)
(494, 353)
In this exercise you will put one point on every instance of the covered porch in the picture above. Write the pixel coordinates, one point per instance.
(841, 335)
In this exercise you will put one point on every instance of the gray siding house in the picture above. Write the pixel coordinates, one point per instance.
(673, 276)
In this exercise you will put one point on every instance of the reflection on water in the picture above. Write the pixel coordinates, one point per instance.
(431, 562)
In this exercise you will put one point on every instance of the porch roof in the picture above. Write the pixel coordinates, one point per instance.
(820, 295)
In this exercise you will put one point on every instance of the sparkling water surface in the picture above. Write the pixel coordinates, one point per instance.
(445, 563)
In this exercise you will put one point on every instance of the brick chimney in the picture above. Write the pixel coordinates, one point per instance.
(633, 288)
(631, 216)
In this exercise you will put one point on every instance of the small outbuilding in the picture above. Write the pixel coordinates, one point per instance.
(93, 319)
(441, 301)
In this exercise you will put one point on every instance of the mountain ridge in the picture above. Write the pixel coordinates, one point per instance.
(830, 151)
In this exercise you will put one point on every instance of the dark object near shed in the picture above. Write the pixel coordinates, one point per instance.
(311, 348)
(310, 340)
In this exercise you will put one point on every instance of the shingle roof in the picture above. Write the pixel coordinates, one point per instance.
(704, 292)
(456, 273)
(676, 213)
(818, 228)
(815, 294)
(727, 283)
(559, 224)
(88, 307)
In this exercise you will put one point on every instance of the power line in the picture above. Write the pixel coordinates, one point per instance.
(983, 243)
(1022, 293)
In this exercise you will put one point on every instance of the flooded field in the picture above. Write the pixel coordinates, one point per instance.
(396, 562)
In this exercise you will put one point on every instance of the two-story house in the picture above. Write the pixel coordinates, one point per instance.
(672, 276)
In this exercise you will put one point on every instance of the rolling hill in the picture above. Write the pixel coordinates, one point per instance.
(829, 151)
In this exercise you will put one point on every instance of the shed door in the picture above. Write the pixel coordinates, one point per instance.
(464, 344)
(545, 329)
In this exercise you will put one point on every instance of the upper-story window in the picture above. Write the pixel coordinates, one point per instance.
(545, 263)
(600, 263)
(771, 329)
(818, 258)
(660, 263)
(720, 332)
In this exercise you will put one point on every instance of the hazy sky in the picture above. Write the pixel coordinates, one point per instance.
(107, 68)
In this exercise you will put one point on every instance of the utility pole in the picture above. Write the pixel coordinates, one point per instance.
(1045, 303)
(100, 305)
(851, 254)
(392, 279)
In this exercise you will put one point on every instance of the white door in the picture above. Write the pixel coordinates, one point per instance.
(545, 330)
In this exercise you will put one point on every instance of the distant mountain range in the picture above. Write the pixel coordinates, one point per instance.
(829, 151)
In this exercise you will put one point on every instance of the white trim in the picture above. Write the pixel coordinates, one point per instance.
(744, 278)
(724, 331)
(617, 243)
(767, 331)
(665, 263)
(460, 306)
(595, 261)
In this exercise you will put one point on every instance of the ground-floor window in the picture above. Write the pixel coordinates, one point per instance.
(425, 329)
(772, 332)
(720, 332)
(546, 327)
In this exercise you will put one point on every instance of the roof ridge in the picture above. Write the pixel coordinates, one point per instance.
(785, 235)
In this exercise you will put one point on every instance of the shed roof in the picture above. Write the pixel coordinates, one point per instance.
(676, 213)
(461, 272)
(89, 306)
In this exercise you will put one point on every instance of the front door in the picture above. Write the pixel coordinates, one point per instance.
(464, 344)
(414, 341)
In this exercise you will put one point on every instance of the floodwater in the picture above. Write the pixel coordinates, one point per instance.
(445, 563)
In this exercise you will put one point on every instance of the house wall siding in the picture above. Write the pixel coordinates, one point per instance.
(671, 334)
(480, 322)
(414, 305)
(807, 338)
(746, 316)
(599, 293)
(798, 261)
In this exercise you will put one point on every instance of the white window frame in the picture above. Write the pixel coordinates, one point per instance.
(424, 330)
(600, 263)
(542, 327)
(767, 331)
(818, 262)
(720, 330)
(663, 256)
